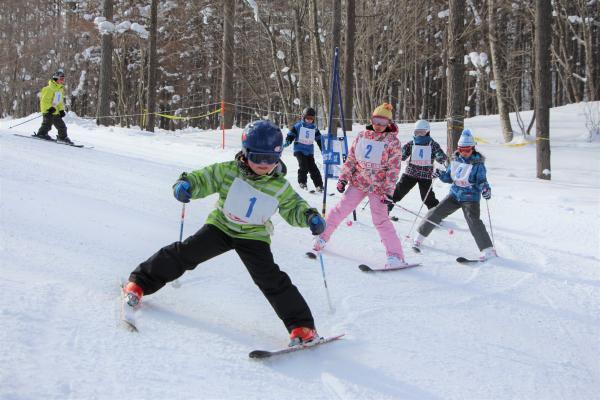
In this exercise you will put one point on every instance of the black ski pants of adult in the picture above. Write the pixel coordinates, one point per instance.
(58, 123)
(406, 183)
(472, 215)
(170, 262)
(307, 165)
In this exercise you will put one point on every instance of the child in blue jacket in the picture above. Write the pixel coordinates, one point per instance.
(304, 134)
(469, 182)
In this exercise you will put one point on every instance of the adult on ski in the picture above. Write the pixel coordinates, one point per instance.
(251, 189)
(371, 169)
(467, 174)
(304, 134)
(53, 109)
(422, 152)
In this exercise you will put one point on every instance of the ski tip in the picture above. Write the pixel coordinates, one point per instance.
(130, 327)
(464, 260)
(365, 268)
(311, 255)
(259, 354)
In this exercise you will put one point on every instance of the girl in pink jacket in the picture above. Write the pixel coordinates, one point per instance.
(371, 169)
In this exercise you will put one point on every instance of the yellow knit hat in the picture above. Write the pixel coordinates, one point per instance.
(384, 110)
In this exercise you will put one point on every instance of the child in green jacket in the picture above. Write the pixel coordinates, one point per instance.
(251, 189)
(53, 109)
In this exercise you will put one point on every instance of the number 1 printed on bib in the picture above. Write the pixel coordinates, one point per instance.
(247, 205)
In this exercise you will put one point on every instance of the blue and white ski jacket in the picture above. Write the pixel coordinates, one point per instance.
(304, 136)
(467, 175)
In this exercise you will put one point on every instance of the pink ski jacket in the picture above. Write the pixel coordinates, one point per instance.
(373, 162)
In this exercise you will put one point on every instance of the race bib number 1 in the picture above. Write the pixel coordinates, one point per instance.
(248, 206)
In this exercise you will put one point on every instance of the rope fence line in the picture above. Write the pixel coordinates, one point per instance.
(479, 140)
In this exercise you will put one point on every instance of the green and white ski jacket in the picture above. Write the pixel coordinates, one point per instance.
(247, 201)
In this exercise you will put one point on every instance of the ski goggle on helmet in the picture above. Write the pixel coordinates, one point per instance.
(262, 142)
(377, 120)
(421, 128)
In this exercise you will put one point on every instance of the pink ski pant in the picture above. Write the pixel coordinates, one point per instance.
(379, 214)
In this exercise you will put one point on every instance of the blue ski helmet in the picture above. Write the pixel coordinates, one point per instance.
(262, 142)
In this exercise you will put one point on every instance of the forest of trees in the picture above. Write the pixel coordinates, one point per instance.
(275, 57)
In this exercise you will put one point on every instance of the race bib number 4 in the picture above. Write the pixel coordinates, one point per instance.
(369, 152)
(421, 155)
(248, 206)
(306, 136)
(459, 172)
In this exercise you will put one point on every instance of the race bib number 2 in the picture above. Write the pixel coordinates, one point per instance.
(369, 152)
(248, 206)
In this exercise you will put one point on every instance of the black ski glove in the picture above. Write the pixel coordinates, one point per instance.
(62, 113)
(50, 111)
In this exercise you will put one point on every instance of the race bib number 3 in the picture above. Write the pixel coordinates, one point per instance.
(306, 136)
(459, 172)
(421, 155)
(369, 152)
(248, 206)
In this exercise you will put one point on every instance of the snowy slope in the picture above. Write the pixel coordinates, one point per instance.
(74, 221)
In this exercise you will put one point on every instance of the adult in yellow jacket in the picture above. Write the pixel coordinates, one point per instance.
(53, 109)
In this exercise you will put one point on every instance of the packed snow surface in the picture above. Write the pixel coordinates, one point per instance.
(75, 221)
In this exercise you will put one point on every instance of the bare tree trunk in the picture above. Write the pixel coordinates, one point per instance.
(153, 64)
(105, 71)
(543, 86)
(304, 82)
(498, 53)
(270, 33)
(349, 66)
(319, 56)
(227, 63)
(456, 74)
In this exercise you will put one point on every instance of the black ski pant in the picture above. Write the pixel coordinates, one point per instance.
(406, 183)
(307, 165)
(471, 211)
(170, 262)
(58, 123)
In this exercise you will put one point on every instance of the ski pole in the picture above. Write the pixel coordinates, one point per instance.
(366, 204)
(176, 284)
(24, 122)
(450, 231)
(331, 309)
(490, 220)
(420, 208)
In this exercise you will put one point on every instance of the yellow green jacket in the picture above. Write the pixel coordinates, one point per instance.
(52, 96)
(221, 177)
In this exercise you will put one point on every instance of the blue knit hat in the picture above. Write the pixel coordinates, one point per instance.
(466, 139)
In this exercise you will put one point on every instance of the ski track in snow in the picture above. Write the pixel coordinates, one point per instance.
(524, 325)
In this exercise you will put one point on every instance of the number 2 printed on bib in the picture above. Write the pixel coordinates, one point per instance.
(369, 152)
(306, 135)
(248, 206)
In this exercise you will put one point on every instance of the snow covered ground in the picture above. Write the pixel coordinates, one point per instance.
(524, 326)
